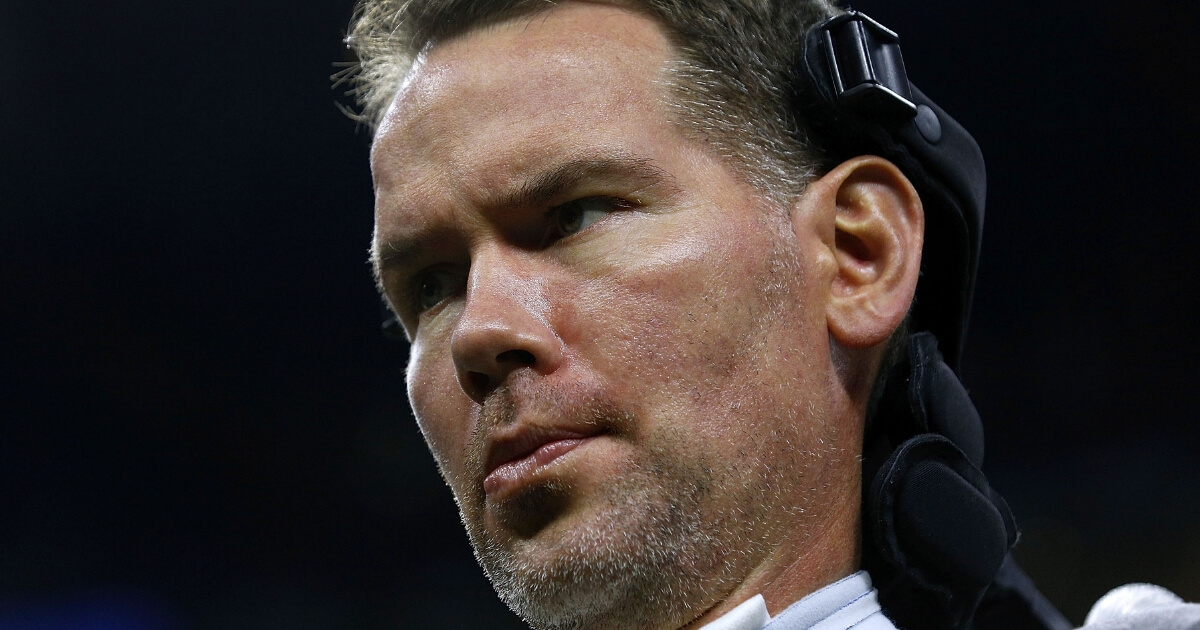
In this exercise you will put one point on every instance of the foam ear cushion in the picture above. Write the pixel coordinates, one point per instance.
(948, 523)
(939, 525)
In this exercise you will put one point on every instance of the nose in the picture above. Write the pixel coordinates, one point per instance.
(504, 327)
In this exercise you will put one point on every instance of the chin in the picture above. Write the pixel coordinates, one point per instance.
(640, 555)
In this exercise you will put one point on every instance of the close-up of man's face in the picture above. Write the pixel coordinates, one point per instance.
(620, 357)
(599, 315)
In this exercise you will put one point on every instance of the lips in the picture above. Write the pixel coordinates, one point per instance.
(519, 451)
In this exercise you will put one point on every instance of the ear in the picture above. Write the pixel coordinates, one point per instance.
(869, 217)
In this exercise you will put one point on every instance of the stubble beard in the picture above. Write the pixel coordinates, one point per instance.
(634, 562)
(646, 552)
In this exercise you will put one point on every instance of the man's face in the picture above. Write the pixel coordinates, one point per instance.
(618, 359)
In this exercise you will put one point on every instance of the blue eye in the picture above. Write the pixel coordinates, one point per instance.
(433, 286)
(577, 215)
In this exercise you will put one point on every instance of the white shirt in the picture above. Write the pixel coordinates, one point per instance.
(848, 603)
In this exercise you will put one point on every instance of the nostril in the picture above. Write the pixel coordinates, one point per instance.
(479, 381)
(522, 358)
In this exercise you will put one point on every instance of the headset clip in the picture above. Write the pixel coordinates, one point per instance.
(867, 68)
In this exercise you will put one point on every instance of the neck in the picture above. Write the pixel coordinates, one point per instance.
(805, 562)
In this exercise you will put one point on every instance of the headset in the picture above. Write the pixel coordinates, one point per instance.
(936, 537)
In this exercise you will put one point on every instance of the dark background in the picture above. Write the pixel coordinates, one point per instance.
(201, 427)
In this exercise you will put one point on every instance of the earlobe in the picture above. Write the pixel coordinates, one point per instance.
(876, 228)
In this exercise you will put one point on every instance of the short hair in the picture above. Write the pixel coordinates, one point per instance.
(733, 76)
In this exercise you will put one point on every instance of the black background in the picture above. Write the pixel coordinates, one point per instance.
(201, 427)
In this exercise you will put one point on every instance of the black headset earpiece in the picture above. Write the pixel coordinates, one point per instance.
(936, 536)
(935, 533)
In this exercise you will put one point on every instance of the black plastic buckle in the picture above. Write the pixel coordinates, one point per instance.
(867, 69)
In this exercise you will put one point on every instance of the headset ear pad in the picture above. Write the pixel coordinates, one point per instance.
(939, 525)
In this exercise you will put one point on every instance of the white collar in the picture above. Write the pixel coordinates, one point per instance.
(852, 598)
(749, 615)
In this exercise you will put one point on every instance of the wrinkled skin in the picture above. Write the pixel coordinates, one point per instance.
(679, 327)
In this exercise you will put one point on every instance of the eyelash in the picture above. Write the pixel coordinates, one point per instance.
(612, 204)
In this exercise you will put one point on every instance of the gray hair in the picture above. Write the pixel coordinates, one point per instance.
(733, 75)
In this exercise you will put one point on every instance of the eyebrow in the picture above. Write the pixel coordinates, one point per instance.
(545, 186)
(633, 172)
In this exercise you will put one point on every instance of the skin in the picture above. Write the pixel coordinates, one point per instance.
(696, 360)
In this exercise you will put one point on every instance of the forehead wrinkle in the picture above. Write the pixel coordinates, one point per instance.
(488, 60)
(404, 207)
(483, 66)
(519, 32)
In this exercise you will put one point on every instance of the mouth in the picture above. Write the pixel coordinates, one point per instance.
(517, 454)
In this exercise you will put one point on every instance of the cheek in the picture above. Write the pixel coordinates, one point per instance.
(679, 316)
(443, 412)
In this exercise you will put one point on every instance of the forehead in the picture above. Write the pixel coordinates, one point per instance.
(499, 103)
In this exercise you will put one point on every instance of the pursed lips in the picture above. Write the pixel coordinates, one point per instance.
(518, 450)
